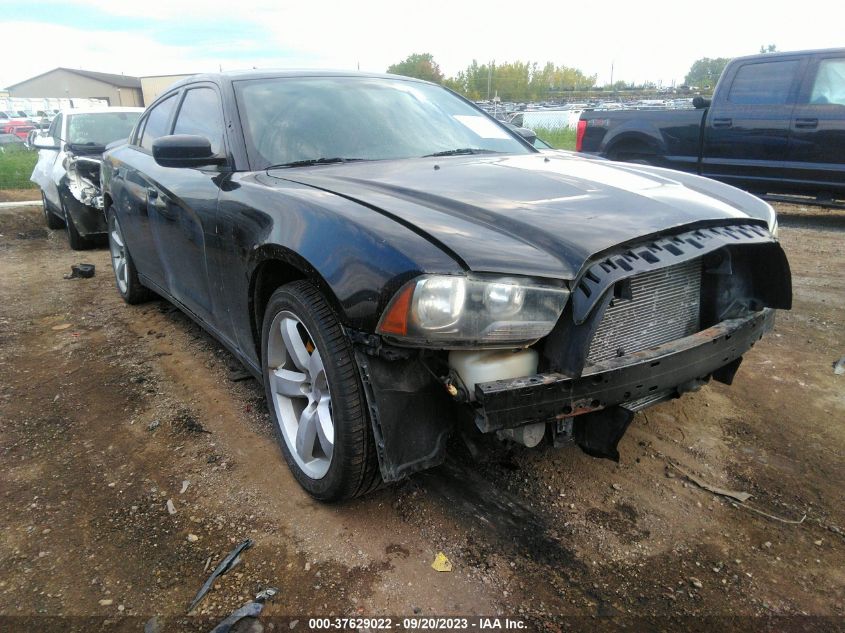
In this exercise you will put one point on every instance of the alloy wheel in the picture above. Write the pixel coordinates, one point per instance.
(117, 247)
(300, 392)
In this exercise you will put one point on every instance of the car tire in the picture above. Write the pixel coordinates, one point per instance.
(74, 239)
(53, 221)
(125, 274)
(315, 398)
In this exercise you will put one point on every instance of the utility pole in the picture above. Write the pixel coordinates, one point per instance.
(489, 78)
(611, 73)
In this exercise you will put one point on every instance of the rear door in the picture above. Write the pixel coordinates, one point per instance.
(816, 157)
(746, 134)
(183, 210)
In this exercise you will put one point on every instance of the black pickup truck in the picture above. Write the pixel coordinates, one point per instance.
(776, 124)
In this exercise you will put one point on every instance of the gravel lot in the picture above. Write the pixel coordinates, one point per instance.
(106, 410)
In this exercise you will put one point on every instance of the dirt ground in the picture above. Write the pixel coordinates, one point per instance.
(109, 411)
(19, 195)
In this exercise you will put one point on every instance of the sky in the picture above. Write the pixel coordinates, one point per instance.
(655, 40)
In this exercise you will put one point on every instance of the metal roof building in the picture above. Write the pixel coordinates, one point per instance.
(118, 90)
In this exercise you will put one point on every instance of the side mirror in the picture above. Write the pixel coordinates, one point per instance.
(524, 132)
(699, 103)
(184, 150)
(528, 135)
(45, 142)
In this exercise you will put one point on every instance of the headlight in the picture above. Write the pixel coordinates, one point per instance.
(457, 311)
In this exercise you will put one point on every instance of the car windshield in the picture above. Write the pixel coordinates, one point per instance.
(301, 119)
(100, 128)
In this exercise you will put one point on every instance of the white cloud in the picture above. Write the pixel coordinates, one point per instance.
(648, 39)
(41, 47)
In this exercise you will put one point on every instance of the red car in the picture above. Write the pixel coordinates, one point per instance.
(21, 131)
(9, 125)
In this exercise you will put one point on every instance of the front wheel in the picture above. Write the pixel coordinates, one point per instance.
(315, 397)
(51, 219)
(74, 239)
(125, 274)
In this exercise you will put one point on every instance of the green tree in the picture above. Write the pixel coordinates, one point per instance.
(511, 80)
(771, 48)
(551, 79)
(455, 83)
(474, 80)
(517, 80)
(706, 71)
(419, 65)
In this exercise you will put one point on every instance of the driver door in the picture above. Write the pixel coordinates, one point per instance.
(183, 212)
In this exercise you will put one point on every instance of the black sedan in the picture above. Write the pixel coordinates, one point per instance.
(398, 267)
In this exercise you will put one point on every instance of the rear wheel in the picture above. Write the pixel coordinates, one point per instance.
(315, 397)
(638, 154)
(641, 160)
(52, 220)
(125, 274)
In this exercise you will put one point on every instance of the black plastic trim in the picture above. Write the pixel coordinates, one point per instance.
(654, 254)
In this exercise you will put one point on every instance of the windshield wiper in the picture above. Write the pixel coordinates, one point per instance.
(461, 151)
(315, 161)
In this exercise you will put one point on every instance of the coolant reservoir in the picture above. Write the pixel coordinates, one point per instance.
(486, 365)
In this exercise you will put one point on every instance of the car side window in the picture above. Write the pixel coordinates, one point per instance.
(829, 85)
(56, 129)
(201, 115)
(157, 122)
(763, 83)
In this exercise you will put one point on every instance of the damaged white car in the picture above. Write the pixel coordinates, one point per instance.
(68, 169)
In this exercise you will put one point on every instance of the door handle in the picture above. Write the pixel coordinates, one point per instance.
(152, 194)
(806, 124)
(722, 122)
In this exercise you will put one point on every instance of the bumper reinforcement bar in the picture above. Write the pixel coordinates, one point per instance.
(546, 397)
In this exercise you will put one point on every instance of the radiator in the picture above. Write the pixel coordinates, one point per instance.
(664, 306)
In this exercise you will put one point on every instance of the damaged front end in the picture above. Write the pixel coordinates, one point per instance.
(643, 324)
(83, 178)
(81, 192)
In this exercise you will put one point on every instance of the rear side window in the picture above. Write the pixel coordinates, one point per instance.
(200, 115)
(157, 122)
(829, 86)
(764, 83)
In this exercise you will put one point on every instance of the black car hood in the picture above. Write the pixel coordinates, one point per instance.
(534, 214)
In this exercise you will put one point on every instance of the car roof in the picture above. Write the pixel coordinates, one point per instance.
(237, 75)
(779, 54)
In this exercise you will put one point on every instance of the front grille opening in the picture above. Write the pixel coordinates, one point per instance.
(655, 307)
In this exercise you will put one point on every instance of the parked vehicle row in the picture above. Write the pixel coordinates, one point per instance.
(10, 142)
(776, 124)
(398, 267)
